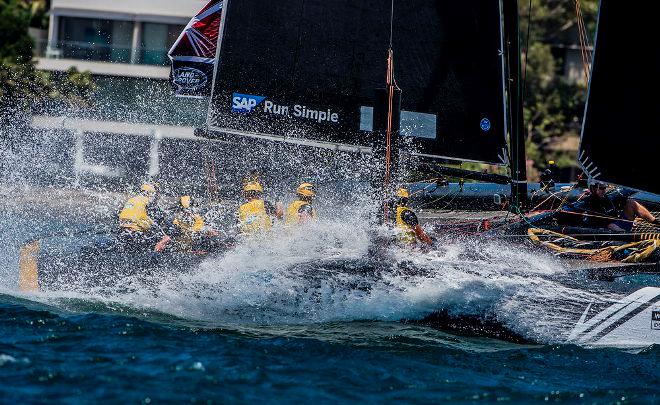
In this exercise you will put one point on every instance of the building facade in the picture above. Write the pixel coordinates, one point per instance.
(134, 128)
(132, 35)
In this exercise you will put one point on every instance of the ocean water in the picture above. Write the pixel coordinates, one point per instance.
(306, 316)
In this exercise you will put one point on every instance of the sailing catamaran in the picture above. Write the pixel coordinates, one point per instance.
(413, 82)
(311, 73)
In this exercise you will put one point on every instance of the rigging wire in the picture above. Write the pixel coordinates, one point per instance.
(529, 26)
(584, 41)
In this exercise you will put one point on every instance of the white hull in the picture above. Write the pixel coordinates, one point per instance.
(634, 321)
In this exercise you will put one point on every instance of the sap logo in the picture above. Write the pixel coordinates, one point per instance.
(189, 78)
(245, 103)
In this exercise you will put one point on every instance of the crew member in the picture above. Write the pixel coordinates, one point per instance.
(409, 232)
(136, 219)
(301, 210)
(256, 214)
(547, 178)
(613, 211)
(133, 216)
(186, 228)
(253, 176)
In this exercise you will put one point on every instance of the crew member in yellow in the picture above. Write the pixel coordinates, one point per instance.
(136, 219)
(255, 215)
(186, 229)
(409, 232)
(301, 210)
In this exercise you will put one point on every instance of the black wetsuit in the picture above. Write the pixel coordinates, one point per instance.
(410, 218)
(601, 212)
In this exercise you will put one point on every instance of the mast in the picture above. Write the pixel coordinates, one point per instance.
(515, 100)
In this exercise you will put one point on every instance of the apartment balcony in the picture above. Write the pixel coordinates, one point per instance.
(128, 38)
(103, 59)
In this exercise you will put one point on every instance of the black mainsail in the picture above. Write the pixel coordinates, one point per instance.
(309, 69)
(620, 136)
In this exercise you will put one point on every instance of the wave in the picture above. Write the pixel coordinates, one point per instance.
(333, 271)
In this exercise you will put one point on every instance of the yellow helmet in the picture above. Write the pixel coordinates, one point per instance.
(403, 193)
(148, 188)
(551, 162)
(253, 186)
(185, 201)
(306, 190)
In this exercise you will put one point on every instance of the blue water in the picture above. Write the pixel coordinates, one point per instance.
(90, 357)
(230, 336)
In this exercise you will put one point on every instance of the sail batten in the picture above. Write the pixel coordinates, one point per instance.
(310, 69)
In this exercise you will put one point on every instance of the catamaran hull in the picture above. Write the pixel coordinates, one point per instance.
(82, 270)
(632, 321)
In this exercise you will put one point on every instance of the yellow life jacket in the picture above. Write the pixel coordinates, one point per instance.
(134, 215)
(292, 216)
(405, 232)
(189, 224)
(252, 217)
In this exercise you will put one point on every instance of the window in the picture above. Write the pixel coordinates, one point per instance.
(419, 125)
(415, 124)
(157, 40)
(95, 39)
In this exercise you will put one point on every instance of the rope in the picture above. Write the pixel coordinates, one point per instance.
(584, 214)
(584, 41)
(442, 197)
(388, 132)
(552, 195)
(391, 87)
(634, 252)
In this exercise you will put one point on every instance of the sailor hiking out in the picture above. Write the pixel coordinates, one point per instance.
(612, 210)
(186, 229)
(408, 230)
(301, 210)
(139, 219)
(256, 215)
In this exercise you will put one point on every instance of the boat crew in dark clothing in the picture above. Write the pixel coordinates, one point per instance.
(613, 210)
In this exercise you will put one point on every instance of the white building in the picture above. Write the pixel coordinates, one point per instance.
(116, 38)
(136, 117)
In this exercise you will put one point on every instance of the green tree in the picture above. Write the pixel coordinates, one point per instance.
(24, 89)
